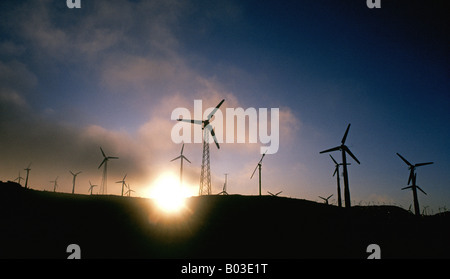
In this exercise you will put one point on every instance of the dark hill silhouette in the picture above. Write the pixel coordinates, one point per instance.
(39, 224)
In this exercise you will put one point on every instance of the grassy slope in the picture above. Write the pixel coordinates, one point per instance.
(37, 224)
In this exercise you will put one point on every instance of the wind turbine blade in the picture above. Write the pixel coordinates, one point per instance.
(104, 160)
(406, 187)
(254, 171)
(423, 164)
(323, 198)
(345, 135)
(278, 193)
(71, 172)
(124, 176)
(270, 193)
(113, 157)
(176, 158)
(421, 190)
(182, 149)
(191, 121)
(331, 149)
(211, 130)
(404, 160)
(335, 170)
(214, 110)
(262, 157)
(329, 196)
(351, 154)
(411, 176)
(333, 159)
(186, 159)
(103, 153)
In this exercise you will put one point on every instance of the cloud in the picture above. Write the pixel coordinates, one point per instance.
(133, 56)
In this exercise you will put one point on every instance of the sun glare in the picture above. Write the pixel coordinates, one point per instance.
(168, 194)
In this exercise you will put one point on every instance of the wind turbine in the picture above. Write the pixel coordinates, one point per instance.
(326, 199)
(412, 177)
(414, 188)
(205, 176)
(181, 157)
(224, 189)
(259, 166)
(104, 185)
(129, 190)
(18, 178)
(26, 179)
(344, 149)
(336, 171)
(73, 181)
(123, 182)
(275, 195)
(91, 187)
(55, 183)
(411, 167)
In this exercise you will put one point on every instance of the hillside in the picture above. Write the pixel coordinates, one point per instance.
(37, 224)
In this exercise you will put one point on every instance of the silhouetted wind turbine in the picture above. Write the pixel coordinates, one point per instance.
(73, 181)
(412, 177)
(336, 171)
(55, 183)
(205, 175)
(26, 179)
(181, 157)
(326, 199)
(104, 185)
(275, 195)
(414, 188)
(18, 178)
(224, 189)
(129, 190)
(123, 182)
(91, 187)
(344, 149)
(412, 167)
(259, 166)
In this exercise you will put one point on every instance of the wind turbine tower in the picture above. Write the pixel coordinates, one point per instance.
(224, 190)
(73, 181)
(55, 183)
(123, 182)
(91, 187)
(412, 177)
(18, 178)
(129, 190)
(181, 157)
(258, 166)
(414, 188)
(104, 185)
(336, 172)
(26, 179)
(344, 149)
(205, 175)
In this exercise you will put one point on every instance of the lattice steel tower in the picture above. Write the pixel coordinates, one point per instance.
(205, 175)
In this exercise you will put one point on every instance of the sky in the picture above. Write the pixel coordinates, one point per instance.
(110, 74)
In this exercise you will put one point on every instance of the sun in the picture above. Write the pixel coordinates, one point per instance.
(168, 194)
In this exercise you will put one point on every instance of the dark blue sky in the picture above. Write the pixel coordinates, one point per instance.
(111, 72)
